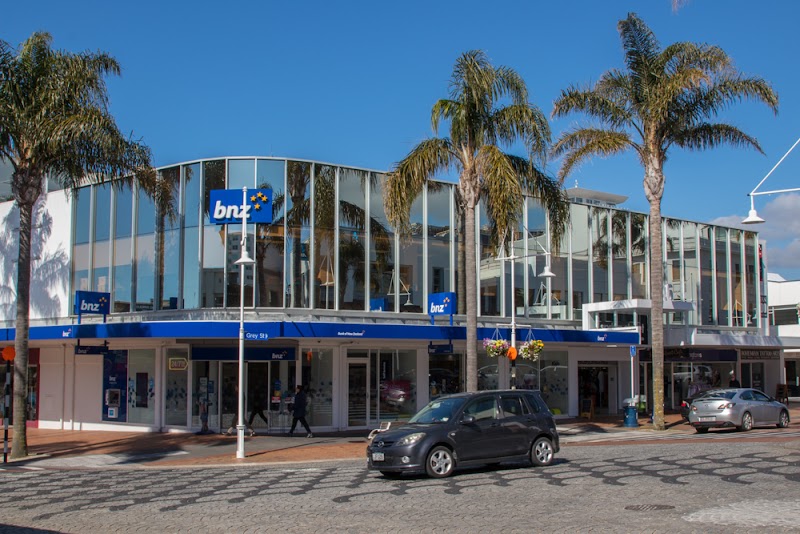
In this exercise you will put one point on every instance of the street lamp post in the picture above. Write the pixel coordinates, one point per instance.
(243, 261)
(546, 273)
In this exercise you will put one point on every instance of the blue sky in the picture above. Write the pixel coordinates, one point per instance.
(353, 83)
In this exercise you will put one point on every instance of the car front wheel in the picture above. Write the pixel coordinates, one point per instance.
(747, 422)
(783, 419)
(542, 452)
(440, 463)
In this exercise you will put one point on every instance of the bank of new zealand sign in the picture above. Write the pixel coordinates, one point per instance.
(226, 206)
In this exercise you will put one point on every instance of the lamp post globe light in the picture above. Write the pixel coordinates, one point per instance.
(242, 262)
(752, 216)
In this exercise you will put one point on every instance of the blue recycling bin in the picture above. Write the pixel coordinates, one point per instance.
(631, 417)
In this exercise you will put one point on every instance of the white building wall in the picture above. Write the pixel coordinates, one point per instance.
(50, 252)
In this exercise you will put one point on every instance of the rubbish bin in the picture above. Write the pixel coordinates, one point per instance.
(631, 417)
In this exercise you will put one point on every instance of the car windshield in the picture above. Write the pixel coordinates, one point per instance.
(438, 411)
(719, 395)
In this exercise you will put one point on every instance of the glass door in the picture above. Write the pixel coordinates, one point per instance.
(357, 393)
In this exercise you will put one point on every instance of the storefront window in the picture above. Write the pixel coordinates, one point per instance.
(395, 379)
(619, 256)
(600, 255)
(445, 374)
(205, 394)
(141, 386)
(554, 381)
(317, 369)
(705, 306)
(145, 252)
(176, 394)
(488, 372)
(691, 276)
(536, 302)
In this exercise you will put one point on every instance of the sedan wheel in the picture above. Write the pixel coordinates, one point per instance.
(783, 419)
(542, 452)
(747, 422)
(440, 462)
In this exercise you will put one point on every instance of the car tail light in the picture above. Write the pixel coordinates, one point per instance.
(694, 408)
(726, 405)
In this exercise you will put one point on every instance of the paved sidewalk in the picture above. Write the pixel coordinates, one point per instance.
(88, 449)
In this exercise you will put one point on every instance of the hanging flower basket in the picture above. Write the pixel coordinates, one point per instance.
(496, 348)
(530, 349)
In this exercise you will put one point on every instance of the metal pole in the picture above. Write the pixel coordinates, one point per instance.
(513, 318)
(240, 424)
(6, 407)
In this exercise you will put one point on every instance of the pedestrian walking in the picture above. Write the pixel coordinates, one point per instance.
(299, 412)
(259, 402)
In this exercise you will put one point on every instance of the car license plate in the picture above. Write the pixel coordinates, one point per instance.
(377, 456)
(705, 419)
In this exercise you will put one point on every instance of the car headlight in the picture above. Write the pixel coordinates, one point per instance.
(411, 439)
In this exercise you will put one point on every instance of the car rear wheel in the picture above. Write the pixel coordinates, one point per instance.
(783, 419)
(747, 422)
(440, 463)
(701, 429)
(542, 452)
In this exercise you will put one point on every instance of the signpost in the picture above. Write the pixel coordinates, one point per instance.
(8, 356)
(632, 409)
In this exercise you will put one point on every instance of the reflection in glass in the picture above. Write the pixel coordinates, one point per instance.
(298, 228)
(533, 265)
(639, 275)
(145, 253)
(554, 378)
(691, 267)
(102, 211)
(672, 266)
(324, 236)
(600, 254)
(381, 251)
(213, 278)
(394, 377)
(352, 238)
(707, 275)
(737, 261)
(100, 281)
(750, 245)
(439, 235)
(83, 207)
(176, 385)
(409, 276)
(317, 369)
(619, 255)
(580, 223)
(191, 237)
(121, 296)
(168, 246)
(269, 237)
(489, 268)
(721, 253)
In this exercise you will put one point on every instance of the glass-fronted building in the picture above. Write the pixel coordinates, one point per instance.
(338, 301)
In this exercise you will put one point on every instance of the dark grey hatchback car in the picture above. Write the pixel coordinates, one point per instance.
(467, 429)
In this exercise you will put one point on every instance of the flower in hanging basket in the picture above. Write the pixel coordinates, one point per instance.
(496, 348)
(530, 349)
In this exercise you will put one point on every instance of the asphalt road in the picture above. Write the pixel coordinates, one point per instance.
(692, 486)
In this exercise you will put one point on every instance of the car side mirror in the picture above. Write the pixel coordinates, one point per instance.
(467, 419)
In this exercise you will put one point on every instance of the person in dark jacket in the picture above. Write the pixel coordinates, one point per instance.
(299, 412)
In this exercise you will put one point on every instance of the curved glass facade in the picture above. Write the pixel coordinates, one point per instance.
(330, 247)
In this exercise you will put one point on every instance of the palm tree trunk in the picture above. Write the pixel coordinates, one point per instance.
(471, 275)
(657, 310)
(461, 301)
(19, 444)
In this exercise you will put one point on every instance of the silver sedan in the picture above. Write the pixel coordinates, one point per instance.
(742, 408)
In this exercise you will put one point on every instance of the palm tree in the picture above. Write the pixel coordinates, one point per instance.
(665, 97)
(479, 127)
(54, 122)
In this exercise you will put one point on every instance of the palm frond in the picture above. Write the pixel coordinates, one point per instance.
(409, 176)
(704, 136)
(580, 144)
(592, 103)
(525, 122)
